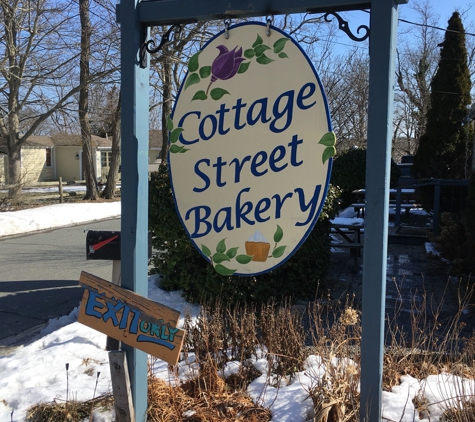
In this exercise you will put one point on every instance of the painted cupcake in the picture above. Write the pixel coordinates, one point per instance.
(258, 247)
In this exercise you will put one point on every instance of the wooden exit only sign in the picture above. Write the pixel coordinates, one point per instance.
(131, 318)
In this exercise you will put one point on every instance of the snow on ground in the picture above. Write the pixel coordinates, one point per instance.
(37, 372)
(51, 216)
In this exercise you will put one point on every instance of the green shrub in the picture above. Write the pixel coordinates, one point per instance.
(453, 198)
(182, 266)
(456, 241)
(349, 173)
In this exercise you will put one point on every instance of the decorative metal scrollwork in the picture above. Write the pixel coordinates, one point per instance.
(149, 46)
(343, 25)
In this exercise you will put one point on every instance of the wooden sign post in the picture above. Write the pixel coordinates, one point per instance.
(136, 17)
(128, 317)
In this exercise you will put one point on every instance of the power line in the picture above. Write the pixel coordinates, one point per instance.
(425, 25)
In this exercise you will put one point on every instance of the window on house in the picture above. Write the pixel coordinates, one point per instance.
(105, 158)
(48, 157)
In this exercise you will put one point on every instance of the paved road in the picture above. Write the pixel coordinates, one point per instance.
(39, 276)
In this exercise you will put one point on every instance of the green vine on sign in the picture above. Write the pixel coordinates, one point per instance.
(278, 251)
(229, 63)
(174, 137)
(222, 255)
(328, 140)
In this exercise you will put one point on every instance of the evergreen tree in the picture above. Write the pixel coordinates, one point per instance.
(442, 148)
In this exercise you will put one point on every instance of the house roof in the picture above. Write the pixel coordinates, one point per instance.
(65, 140)
(39, 141)
(33, 141)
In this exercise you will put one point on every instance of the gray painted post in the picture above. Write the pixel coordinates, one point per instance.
(121, 388)
(134, 220)
(382, 47)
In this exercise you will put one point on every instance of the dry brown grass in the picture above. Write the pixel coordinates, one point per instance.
(464, 412)
(71, 411)
(206, 398)
(430, 345)
(328, 330)
(335, 333)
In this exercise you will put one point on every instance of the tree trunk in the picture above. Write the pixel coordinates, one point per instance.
(88, 161)
(109, 190)
(11, 125)
(14, 170)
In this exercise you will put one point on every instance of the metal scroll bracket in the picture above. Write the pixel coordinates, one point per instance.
(149, 46)
(343, 25)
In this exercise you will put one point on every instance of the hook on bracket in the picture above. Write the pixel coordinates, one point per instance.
(269, 22)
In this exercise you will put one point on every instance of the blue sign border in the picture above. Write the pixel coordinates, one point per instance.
(330, 161)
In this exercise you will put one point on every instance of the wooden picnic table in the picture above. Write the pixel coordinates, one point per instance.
(406, 200)
(350, 232)
(407, 194)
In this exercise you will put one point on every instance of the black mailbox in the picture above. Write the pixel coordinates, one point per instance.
(105, 245)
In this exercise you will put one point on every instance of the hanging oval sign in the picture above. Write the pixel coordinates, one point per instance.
(251, 149)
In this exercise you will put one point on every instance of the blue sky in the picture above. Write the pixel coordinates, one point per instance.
(442, 9)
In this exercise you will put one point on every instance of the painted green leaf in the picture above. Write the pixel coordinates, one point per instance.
(244, 259)
(279, 234)
(192, 79)
(279, 45)
(176, 134)
(169, 123)
(257, 42)
(218, 93)
(193, 64)
(205, 71)
(283, 55)
(200, 95)
(184, 150)
(263, 59)
(249, 53)
(231, 253)
(220, 257)
(205, 250)
(328, 139)
(243, 67)
(259, 50)
(221, 246)
(278, 252)
(221, 269)
(328, 153)
(175, 149)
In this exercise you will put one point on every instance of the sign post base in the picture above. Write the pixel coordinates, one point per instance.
(123, 404)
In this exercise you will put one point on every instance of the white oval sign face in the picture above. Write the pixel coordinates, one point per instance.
(250, 149)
